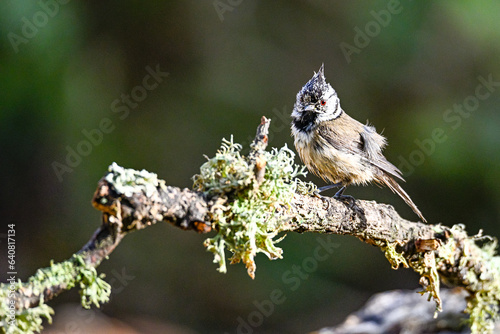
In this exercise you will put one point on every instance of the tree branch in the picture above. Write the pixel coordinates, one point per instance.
(133, 200)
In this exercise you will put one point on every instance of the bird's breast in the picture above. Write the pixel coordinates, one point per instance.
(331, 164)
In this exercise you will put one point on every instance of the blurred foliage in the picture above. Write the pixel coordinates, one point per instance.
(82, 60)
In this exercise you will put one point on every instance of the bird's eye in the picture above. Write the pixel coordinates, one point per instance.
(322, 102)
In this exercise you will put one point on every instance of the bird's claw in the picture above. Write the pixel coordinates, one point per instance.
(349, 201)
(322, 198)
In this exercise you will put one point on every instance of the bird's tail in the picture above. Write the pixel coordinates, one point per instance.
(396, 188)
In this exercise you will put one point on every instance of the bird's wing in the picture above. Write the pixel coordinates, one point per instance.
(348, 135)
(343, 134)
(372, 145)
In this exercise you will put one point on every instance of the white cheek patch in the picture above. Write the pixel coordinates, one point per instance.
(333, 110)
(334, 107)
(337, 112)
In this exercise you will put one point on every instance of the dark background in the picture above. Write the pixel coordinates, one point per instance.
(226, 70)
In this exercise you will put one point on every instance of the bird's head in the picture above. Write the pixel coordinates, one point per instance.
(316, 102)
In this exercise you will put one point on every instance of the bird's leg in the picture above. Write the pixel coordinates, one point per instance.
(324, 188)
(339, 195)
(328, 187)
(347, 199)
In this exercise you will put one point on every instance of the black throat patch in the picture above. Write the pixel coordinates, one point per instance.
(307, 122)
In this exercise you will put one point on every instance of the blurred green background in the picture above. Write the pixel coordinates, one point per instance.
(409, 67)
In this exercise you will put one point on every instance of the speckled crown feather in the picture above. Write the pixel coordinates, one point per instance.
(316, 87)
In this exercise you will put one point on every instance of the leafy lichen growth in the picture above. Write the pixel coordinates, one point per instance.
(127, 181)
(479, 269)
(478, 265)
(70, 273)
(394, 257)
(26, 321)
(425, 264)
(246, 213)
(483, 303)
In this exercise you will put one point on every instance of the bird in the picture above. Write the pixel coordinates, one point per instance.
(338, 148)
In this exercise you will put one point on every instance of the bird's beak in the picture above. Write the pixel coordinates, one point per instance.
(310, 107)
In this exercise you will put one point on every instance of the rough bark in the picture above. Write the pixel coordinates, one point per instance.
(431, 250)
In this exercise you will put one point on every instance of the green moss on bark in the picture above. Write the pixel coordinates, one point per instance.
(246, 215)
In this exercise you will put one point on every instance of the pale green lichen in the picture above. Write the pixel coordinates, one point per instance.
(27, 321)
(483, 305)
(70, 273)
(245, 216)
(425, 265)
(479, 265)
(394, 257)
(128, 181)
(306, 188)
(479, 268)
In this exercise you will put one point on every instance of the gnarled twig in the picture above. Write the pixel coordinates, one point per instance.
(133, 200)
